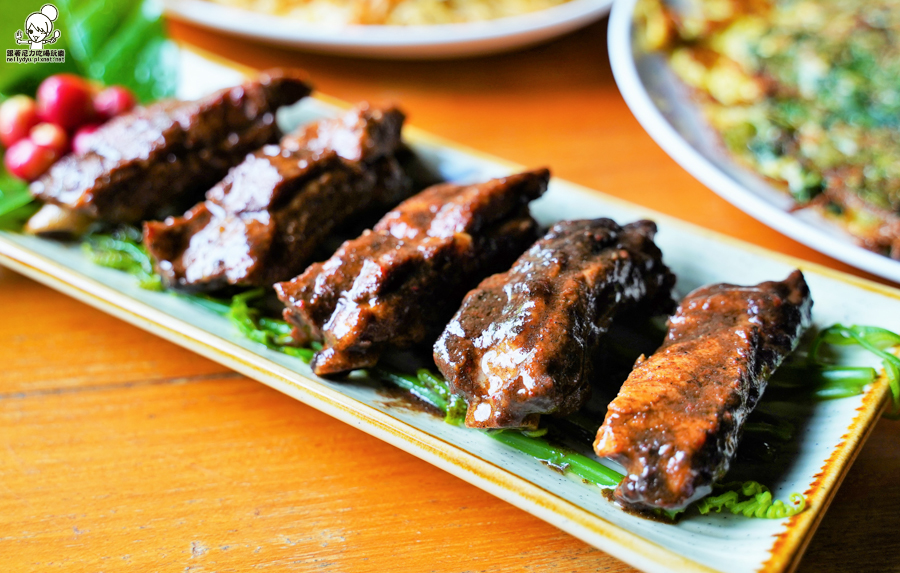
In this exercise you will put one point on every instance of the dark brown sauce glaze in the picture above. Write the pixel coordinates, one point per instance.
(524, 342)
(159, 160)
(676, 422)
(265, 220)
(399, 283)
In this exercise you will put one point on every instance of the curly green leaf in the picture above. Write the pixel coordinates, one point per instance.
(871, 338)
(751, 499)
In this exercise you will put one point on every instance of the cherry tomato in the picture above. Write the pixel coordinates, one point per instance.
(113, 101)
(27, 160)
(50, 135)
(18, 115)
(66, 100)
(80, 141)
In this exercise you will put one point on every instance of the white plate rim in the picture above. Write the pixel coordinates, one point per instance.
(625, 72)
(413, 42)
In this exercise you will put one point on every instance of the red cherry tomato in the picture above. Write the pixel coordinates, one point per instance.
(65, 99)
(27, 160)
(113, 101)
(80, 142)
(18, 115)
(50, 135)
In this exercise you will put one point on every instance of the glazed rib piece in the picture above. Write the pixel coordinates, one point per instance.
(263, 222)
(676, 422)
(159, 160)
(524, 342)
(399, 283)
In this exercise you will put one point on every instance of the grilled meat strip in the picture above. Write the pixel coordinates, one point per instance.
(159, 160)
(676, 422)
(524, 342)
(399, 283)
(263, 222)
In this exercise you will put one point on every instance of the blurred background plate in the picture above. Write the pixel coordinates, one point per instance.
(406, 42)
(663, 106)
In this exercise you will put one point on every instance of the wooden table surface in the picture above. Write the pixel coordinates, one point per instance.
(122, 452)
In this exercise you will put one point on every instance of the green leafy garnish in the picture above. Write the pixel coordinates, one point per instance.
(750, 499)
(273, 333)
(456, 404)
(428, 388)
(561, 459)
(14, 218)
(825, 382)
(123, 250)
(14, 197)
(102, 32)
(849, 382)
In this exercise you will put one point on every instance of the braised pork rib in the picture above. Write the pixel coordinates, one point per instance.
(159, 160)
(263, 222)
(524, 342)
(399, 283)
(676, 422)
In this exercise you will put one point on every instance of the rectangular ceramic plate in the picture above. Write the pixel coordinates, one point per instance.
(829, 434)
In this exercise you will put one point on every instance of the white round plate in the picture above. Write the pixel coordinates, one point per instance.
(663, 106)
(406, 42)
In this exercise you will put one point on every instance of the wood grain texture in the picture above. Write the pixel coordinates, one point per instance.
(225, 474)
(122, 452)
(55, 347)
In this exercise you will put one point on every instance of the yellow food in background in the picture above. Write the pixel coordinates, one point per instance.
(393, 12)
(804, 92)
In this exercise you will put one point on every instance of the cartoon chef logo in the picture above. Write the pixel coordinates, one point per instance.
(39, 28)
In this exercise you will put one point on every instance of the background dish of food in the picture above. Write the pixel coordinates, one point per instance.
(664, 107)
(394, 41)
(392, 12)
(832, 431)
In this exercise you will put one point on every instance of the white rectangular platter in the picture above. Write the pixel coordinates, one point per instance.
(832, 433)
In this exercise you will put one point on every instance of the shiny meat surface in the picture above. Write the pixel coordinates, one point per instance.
(524, 342)
(263, 222)
(159, 160)
(676, 422)
(398, 284)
